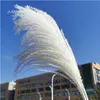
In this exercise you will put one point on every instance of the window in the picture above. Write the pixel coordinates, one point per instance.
(28, 91)
(90, 92)
(34, 84)
(24, 81)
(40, 89)
(48, 82)
(75, 93)
(33, 90)
(98, 78)
(97, 71)
(23, 87)
(22, 91)
(57, 94)
(89, 86)
(56, 87)
(47, 89)
(98, 84)
(34, 95)
(64, 80)
(39, 84)
(2, 90)
(48, 94)
(65, 86)
(64, 93)
(72, 86)
(18, 92)
(56, 81)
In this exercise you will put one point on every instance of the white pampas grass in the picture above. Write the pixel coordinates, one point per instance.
(45, 44)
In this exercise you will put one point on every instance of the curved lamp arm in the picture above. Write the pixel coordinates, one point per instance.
(68, 94)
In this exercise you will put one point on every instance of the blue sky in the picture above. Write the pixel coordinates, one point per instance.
(80, 22)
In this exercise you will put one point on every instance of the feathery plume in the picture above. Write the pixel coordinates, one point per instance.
(44, 44)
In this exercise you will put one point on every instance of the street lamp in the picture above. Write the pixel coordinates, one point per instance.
(52, 89)
(40, 97)
(68, 94)
(59, 74)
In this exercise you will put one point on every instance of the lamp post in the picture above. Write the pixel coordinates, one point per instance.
(68, 94)
(40, 97)
(52, 89)
(59, 74)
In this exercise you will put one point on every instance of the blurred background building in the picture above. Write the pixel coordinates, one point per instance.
(28, 88)
(7, 91)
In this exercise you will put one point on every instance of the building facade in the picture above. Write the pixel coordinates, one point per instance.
(7, 91)
(31, 88)
(28, 88)
(90, 73)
